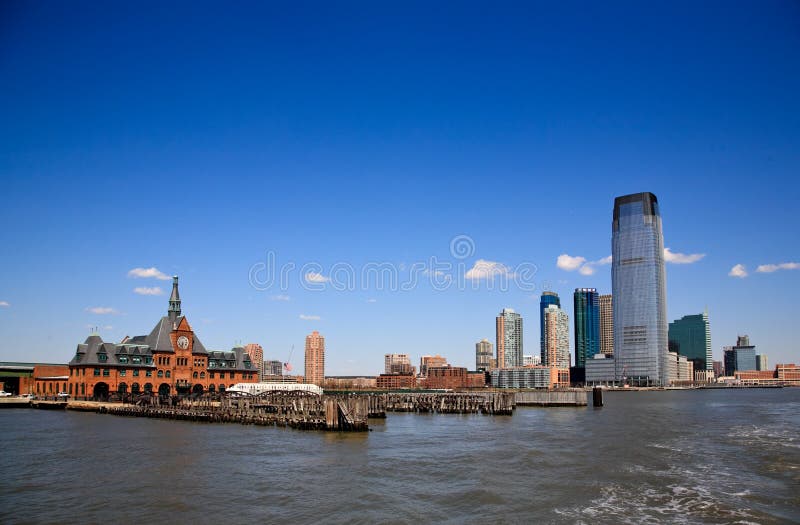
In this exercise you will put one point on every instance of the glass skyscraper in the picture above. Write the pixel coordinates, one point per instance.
(638, 281)
(690, 336)
(509, 339)
(587, 325)
(546, 300)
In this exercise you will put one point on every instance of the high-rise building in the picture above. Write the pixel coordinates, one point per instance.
(556, 334)
(761, 362)
(509, 339)
(255, 352)
(531, 360)
(638, 281)
(587, 325)
(546, 300)
(397, 364)
(315, 358)
(741, 357)
(430, 361)
(483, 355)
(606, 324)
(272, 368)
(690, 336)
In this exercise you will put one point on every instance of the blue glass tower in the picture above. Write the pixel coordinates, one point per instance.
(547, 299)
(587, 325)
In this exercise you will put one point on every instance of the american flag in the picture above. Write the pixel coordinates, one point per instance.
(287, 366)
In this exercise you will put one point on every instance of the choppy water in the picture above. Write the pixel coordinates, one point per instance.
(646, 457)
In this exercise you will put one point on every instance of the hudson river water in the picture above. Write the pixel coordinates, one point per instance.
(646, 457)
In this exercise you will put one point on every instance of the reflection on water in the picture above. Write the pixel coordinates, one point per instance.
(646, 457)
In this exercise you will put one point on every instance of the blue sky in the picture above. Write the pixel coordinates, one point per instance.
(196, 138)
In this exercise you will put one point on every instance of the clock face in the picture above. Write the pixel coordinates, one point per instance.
(183, 342)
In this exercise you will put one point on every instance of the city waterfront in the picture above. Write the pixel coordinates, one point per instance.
(693, 456)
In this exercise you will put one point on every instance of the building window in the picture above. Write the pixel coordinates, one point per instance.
(123, 359)
(122, 373)
(83, 388)
(148, 373)
(211, 375)
(194, 375)
(106, 372)
(135, 373)
(202, 375)
(167, 373)
(160, 373)
(102, 357)
(97, 371)
(136, 360)
(148, 360)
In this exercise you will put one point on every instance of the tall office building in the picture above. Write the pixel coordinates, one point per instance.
(546, 300)
(761, 363)
(315, 358)
(587, 325)
(690, 336)
(272, 368)
(397, 364)
(638, 281)
(509, 339)
(556, 335)
(483, 355)
(741, 357)
(606, 324)
(256, 353)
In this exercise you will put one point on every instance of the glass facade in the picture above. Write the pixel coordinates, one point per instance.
(509, 339)
(690, 336)
(638, 280)
(546, 300)
(587, 325)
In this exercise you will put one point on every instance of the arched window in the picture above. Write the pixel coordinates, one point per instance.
(160, 373)
(212, 388)
(194, 375)
(70, 389)
(135, 388)
(148, 387)
(83, 389)
(167, 373)
(221, 388)
(202, 375)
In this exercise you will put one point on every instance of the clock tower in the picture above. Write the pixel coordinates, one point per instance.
(174, 301)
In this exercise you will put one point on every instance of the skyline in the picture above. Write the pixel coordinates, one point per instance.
(381, 139)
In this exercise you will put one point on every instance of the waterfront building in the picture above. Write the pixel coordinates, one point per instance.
(531, 360)
(33, 378)
(740, 357)
(429, 361)
(393, 381)
(169, 360)
(530, 377)
(719, 368)
(556, 332)
(256, 353)
(315, 358)
(483, 355)
(783, 375)
(638, 282)
(587, 324)
(545, 300)
(397, 364)
(446, 377)
(606, 324)
(690, 336)
(681, 370)
(271, 368)
(761, 362)
(601, 370)
(509, 338)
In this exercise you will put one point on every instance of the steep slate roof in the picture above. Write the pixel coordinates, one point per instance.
(235, 359)
(87, 353)
(159, 340)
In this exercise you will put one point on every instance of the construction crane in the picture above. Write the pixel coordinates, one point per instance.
(287, 366)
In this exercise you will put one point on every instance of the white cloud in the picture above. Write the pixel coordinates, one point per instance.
(279, 298)
(681, 258)
(569, 263)
(372, 300)
(4, 303)
(102, 310)
(143, 290)
(305, 317)
(738, 271)
(108, 327)
(313, 277)
(769, 268)
(483, 269)
(148, 273)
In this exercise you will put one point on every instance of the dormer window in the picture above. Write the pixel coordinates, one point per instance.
(102, 357)
(123, 359)
(136, 360)
(78, 357)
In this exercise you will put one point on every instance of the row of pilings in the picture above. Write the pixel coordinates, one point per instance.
(448, 403)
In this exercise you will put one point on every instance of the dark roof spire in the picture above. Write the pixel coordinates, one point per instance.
(174, 300)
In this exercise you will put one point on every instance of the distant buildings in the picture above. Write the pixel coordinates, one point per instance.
(601, 370)
(546, 300)
(483, 355)
(690, 336)
(587, 324)
(453, 377)
(740, 357)
(761, 362)
(556, 337)
(315, 358)
(638, 282)
(397, 364)
(271, 368)
(680, 369)
(395, 381)
(606, 324)
(719, 368)
(429, 361)
(529, 377)
(509, 339)
(531, 360)
(256, 353)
